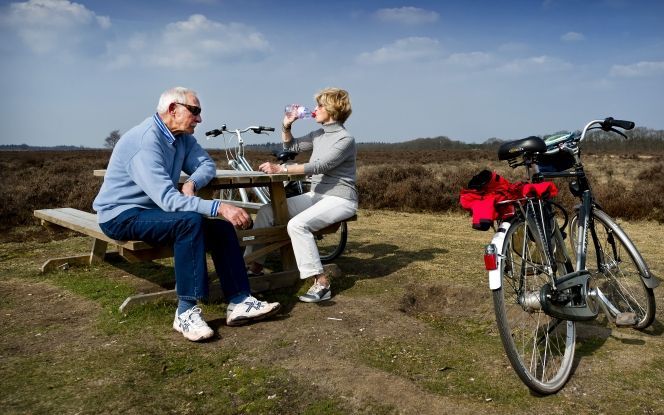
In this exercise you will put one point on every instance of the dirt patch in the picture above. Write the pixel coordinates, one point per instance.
(441, 300)
(38, 317)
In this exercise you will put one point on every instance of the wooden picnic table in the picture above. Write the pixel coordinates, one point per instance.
(272, 238)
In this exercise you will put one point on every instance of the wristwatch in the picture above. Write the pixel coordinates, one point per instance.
(285, 168)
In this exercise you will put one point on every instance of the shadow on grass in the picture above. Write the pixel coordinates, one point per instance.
(377, 260)
(364, 262)
(155, 272)
(655, 329)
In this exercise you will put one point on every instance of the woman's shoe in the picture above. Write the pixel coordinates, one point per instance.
(317, 293)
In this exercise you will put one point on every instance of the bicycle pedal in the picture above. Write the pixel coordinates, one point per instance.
(626, 319)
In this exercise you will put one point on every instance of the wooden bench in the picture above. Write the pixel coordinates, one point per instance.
(86, 223)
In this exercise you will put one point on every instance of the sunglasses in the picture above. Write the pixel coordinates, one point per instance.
(194, 110)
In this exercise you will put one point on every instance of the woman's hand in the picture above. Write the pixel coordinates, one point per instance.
(289, 119)
(270, 168)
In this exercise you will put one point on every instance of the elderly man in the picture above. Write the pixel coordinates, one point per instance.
(139, 200)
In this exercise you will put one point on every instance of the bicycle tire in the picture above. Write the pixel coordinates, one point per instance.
(331, 245)
(540, 348)
(620, 279)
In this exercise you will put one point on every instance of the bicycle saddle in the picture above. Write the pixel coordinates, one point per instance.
(285, 155)
(528, 145)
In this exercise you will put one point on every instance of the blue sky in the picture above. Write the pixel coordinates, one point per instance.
(74, 71)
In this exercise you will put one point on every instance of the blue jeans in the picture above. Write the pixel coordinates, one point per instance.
(190, 235)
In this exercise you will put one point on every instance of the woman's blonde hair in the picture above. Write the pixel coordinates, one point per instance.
(336, 102)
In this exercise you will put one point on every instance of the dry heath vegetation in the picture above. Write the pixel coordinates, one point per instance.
(410, 329)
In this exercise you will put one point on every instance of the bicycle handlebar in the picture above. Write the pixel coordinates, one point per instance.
(256, 129)
(607, 124)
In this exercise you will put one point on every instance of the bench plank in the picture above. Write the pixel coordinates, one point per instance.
(85, 223)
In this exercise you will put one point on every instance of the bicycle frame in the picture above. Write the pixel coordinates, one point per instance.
(238, 162)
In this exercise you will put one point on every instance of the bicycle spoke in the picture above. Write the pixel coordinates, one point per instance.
(538, 346)
(615, 271)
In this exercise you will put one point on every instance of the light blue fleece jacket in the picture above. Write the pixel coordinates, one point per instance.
(144, 171)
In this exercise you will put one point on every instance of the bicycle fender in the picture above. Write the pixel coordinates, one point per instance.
(495, 282)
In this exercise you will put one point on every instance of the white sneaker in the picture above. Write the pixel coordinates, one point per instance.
(191, 325)
(316, 293)
(248, 310)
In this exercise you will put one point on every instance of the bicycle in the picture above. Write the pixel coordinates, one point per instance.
(539, 289)
(331, 243)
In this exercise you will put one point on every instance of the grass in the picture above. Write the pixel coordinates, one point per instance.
(411, 330)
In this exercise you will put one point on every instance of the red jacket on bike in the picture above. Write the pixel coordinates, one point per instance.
(487, 189)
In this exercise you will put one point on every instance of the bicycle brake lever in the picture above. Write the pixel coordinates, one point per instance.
(619, 132)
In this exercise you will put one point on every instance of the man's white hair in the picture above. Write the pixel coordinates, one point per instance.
(177, 94)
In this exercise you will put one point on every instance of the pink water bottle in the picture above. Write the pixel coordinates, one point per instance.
(300, 111)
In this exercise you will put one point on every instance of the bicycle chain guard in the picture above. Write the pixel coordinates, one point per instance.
(569, 300)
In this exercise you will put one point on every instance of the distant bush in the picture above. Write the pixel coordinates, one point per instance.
(643, 200)
(404, 180)
(412, 187)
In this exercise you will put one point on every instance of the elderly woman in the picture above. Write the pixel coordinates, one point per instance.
(333, 195)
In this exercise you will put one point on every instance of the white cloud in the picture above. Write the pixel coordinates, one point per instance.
(406, 15)
(535, 64)
(572, 37)
(403, 50)
(470, 59)
(195, 42)
(639, 69)
(53, 25)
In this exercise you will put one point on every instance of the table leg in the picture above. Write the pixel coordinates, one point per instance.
(281, 217)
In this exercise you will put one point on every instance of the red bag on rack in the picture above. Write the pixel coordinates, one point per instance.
(487, 189)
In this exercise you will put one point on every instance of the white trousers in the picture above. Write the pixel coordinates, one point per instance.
(309, 213)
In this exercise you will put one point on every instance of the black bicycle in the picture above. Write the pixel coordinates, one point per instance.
(540, 288)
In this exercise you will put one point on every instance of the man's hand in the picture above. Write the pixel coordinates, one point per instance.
(189, 189)
(238, 217)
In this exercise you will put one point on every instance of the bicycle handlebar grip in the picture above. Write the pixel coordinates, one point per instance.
(216, 131)
(625, 125)
(267, 128)
(610, 122)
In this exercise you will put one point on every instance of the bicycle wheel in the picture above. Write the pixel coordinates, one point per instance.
(618, 272)
(332, 244)
(539, 347)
